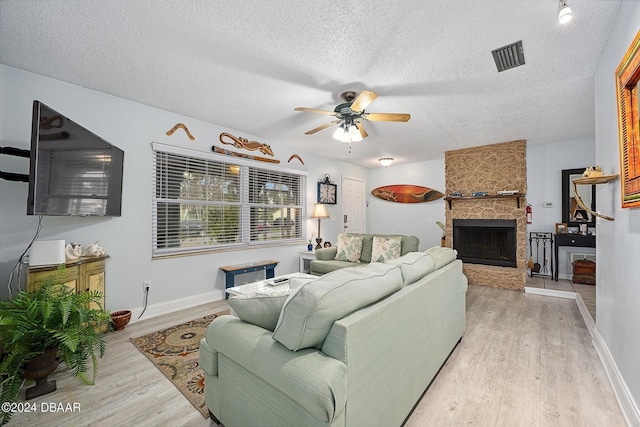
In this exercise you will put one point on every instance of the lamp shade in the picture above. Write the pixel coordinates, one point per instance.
(564, 12)
(319, 211)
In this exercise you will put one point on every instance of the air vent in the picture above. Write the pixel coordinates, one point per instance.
(509, 56)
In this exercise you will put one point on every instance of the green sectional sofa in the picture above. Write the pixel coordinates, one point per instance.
(355, 347)
(325, 261)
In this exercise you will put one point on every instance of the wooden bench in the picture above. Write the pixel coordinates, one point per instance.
(231, 271)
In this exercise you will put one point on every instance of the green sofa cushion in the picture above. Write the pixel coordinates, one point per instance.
(310, 311)
(441, 256)
(414, 266)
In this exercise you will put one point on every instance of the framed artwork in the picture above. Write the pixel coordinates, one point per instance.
(327, 193)
(561, 228)
(627, 86)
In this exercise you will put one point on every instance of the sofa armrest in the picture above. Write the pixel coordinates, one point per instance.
(309, 377)
(326, 254)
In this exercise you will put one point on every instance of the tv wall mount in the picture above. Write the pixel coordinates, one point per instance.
(19, 152)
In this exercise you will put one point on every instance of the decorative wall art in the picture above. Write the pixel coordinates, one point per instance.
(221, 150)
(183, 127)
(240, 142)
(627, 82)
(295, 156)
(402, 193)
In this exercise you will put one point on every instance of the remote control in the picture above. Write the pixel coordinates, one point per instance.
(282, 279)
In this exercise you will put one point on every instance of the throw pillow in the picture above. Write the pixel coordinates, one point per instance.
(385, 248)
(349, 248)
(260, 309)
(307, 316)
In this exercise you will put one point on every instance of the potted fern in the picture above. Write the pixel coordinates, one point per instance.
(52, 323)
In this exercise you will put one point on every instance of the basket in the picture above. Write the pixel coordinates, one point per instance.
(119, 319)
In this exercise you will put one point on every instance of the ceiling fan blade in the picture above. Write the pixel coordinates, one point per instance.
(386, 117)
(315, 110)
(363, 133)
(324, 126)
(363, 100)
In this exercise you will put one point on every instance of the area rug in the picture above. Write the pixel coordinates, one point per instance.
(175, 351)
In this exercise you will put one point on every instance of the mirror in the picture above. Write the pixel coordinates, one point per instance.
(572, 214)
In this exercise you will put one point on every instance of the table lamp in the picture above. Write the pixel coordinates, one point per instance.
(319, 211)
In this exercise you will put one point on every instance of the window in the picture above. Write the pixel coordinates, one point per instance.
(202, 202)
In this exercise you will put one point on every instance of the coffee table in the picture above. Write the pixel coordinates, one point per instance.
(263, 286)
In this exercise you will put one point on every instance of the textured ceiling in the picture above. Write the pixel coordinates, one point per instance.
(246, 64)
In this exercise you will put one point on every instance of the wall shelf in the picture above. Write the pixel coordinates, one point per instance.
(516, 196)
(602, 179)
(591, 180)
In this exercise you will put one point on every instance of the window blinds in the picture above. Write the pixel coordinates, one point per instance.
(201, 202)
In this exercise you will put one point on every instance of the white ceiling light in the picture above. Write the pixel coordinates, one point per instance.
(386, 161)
(347, 132)
(564, 12)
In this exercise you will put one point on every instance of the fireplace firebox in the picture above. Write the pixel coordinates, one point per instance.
(486, 241)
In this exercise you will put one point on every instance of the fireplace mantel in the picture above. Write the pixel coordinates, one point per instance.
(516, 196)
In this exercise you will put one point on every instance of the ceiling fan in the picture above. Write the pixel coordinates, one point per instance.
(350, 115)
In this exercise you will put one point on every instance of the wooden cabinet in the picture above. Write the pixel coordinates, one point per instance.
(82, 275)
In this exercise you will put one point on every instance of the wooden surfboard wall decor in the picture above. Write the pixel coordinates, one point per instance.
(402, 193)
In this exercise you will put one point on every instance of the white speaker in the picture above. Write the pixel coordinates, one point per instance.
(46, 252)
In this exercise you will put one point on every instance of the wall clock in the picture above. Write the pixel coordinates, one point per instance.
(327, 193)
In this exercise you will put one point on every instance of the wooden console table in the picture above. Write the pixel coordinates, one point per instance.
(84, 274)
(231, 271)
(575, 240)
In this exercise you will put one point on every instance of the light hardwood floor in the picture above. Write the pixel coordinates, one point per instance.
(524, 360)
(587, 292)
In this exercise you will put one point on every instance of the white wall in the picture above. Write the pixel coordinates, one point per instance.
(618, 241)
(418, 219)
(545, 163)
(132, 127)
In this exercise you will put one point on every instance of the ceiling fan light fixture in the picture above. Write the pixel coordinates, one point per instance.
(354, 134)
(564, 12)
(347, 133)
(386, 161)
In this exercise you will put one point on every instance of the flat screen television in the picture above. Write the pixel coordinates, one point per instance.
(72, 171)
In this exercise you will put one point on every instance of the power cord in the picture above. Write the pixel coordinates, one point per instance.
(146, 298)
(18, 265)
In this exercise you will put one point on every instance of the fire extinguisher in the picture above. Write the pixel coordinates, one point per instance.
(529, 214)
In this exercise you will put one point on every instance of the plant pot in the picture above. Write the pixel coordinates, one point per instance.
(119, 319)
(38, 369)
(309, 247)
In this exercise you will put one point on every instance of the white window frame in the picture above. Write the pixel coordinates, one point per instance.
(245, 232)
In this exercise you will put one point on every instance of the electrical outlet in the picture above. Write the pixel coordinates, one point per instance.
(146, 285)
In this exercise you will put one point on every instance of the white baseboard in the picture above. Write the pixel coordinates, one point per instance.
(549, 292)
(626, 402)
(155, 310)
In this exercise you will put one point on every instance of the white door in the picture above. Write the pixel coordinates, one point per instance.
(353, 205)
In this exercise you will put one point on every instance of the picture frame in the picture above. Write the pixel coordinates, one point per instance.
(327, 193)
(561, 228)
(628, 97)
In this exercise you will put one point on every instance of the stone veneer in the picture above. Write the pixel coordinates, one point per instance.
(490, 168)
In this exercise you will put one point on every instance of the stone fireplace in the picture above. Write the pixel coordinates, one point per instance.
(492, 255)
